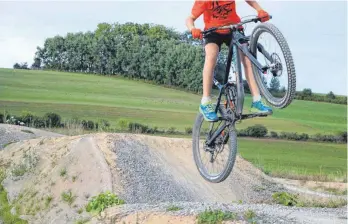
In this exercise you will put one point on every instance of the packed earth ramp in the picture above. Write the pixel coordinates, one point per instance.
(149, 173)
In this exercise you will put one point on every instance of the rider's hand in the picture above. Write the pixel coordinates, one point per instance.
(196, 33)
(263, 15)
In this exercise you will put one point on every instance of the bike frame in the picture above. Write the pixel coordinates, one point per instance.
(235, 44)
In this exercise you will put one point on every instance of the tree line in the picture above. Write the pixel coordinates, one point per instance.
(139, 51)
(54, 120)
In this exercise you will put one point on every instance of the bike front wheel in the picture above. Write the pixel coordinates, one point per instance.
(214, 162)
(278, 84)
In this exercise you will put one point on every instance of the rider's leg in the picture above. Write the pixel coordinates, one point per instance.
(250, 77)
(257, 106)
(206, 107)
(211, 53)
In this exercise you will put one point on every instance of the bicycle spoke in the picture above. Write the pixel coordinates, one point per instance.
(278, 85)
(218, 164)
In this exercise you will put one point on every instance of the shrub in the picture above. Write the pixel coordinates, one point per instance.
(304, 136)
(52, 119)
(249, 215)
(171, 130)
(215, 216)
(137, 127)
(293, 136)
(257, 131)
(88, 125)
(342, 136)
(27, 117)
(123, 124)
(140, 128)
(188, 131)
(242, 133)
(68, 197)
(325, 138)
(155, 130)
(103, 201)
(285, 198)
(274, 134)
(2, 118)
(39, 122)
(104, 124)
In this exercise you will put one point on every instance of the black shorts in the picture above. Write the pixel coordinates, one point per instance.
(219, 39)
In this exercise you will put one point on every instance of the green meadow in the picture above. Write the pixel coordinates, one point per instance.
(112, 98)
(95, 97)
(297, 160)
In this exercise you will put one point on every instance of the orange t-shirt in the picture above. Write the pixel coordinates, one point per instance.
(216, 13)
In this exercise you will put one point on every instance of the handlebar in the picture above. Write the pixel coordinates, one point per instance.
(257, 19)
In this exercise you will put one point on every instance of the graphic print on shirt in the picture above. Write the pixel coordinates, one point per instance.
(221, 11)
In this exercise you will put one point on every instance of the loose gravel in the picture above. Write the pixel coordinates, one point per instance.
(14, 133)
(144, 176)
(265, 214)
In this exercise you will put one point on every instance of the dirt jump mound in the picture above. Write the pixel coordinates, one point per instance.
(51, 179)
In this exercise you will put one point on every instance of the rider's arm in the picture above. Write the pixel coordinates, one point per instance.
(261, 13)
(254, 4)
(197, 10)
(190, 22)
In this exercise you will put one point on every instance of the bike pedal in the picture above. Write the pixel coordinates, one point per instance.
(252, 115)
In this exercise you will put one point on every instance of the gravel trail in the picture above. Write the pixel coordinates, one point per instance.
(156, 169)
(150, 173)
(15, 133)
(144, 176)
(265, 214)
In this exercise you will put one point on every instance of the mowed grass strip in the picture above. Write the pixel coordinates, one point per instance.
(113, 98)
(296, 160)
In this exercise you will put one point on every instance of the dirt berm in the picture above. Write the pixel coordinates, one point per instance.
(149, 173)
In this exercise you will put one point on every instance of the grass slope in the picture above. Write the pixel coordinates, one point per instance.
(95, 97)
(298, 160)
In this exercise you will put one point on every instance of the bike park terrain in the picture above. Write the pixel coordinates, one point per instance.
(50, 178)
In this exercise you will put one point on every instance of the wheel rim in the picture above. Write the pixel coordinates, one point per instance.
(276, 82)
(219, 153)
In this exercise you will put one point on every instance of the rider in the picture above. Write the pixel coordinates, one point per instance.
(219, 13)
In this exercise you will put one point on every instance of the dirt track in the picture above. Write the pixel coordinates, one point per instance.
(147, 172)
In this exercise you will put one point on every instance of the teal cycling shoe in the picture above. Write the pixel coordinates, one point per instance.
(258, 107)
(208, 112)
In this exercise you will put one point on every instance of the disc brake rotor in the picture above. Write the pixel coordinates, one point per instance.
(276, 66)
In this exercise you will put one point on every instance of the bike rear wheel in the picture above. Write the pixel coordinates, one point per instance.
(282, 66)
(226, 152)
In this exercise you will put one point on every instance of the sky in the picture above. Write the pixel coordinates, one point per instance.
(316, 31)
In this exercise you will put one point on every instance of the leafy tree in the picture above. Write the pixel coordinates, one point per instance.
(331, 95)
(148, 52)
(21, 66)
(274, 85)
(36, 64)
(16, 66)
(307, 92)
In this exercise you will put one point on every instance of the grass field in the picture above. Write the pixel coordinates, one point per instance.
(96, 97)
(298, 160)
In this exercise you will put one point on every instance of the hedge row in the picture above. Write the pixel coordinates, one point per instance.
(260, 131)
(256, 131)
(51, 120)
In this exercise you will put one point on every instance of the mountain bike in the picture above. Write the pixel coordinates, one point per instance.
(216, 135)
